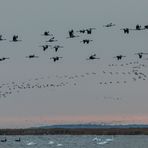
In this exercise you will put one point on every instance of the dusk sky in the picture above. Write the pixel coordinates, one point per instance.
(79, 90)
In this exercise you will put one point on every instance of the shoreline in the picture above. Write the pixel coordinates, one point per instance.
(76, 131)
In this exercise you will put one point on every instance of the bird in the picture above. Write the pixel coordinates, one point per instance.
(92, 57)
(82, 31)
(47, 33)
(71, 34)
(15, 39)
(56, 47)
(140, 54)
(138, 27)
(109, 25)
(146, 27)
(45, 47)
(4, 140)
(87, 41)
(32, 56)
(89, 30)
(119, 57)
(55, 58)
(52, 40)
(1, 38)
(4, 58)
(18, 140)
(126, 30)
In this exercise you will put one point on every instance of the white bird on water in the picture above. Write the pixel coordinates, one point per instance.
(59, 144)
(31, 143)
(51, 142)
(103, 141)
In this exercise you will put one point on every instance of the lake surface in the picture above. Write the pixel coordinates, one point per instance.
(68, 141)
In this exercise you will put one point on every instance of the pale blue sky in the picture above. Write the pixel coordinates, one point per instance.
(82, 98)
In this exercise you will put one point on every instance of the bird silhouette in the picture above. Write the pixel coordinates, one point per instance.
(56, 47)
(15, 39)
(47, 33)
(45, 47)
(87, 41)
(119, 57)
(1, 38)
(92, 57)
(18, 140)
(32, 56)
(138, 27)
(126, 30)
(82, 31)
(140, 54)
(146, 27)
(71, 34)
(4, 58)
(109, 25)
(56, 58)
(4, 140)
(52, 40)
(89, 30)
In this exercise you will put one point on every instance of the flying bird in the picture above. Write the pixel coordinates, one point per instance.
(140, 54)
(119, 57)
(52, 40)
(87, 41)
(71, 34)
(82, 31)
(56, 47)
(146, 26)
(4, 58)
(32, 56)
(92, 57)
(15, 38)
(109, 25)
(56, 58)
(138, 27)
(89, 30)
(47, 33)
(126, 30)
(45, 47)
(1, 38)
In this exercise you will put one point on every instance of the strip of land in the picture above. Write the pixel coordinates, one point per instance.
(76, 131)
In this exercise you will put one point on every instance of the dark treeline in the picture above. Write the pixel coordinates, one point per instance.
(78, 131)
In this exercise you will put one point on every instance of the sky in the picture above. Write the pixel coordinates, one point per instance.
(73, 89)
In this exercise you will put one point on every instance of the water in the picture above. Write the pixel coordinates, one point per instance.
(68, 141)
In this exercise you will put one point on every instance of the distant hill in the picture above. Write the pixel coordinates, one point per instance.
(92, 126)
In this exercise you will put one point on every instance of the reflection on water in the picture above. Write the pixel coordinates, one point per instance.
(69, 141)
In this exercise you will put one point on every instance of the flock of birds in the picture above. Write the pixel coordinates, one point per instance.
(5, 140)
(103, 141)
(30, 143)
(69, 80)
(97, 140)
(72, 34)
(134, 68)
